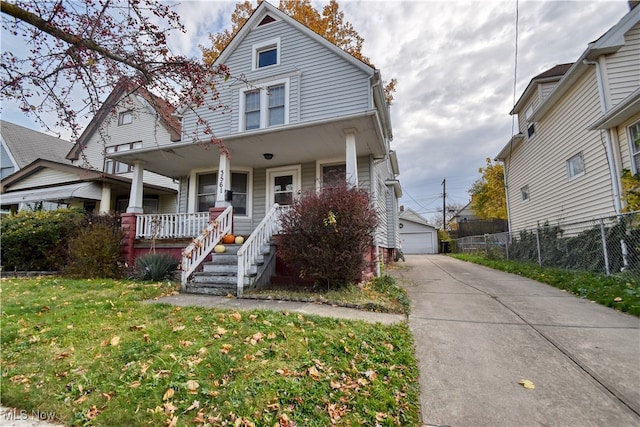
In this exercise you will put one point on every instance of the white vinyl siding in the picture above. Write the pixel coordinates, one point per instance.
(322, 85)
(145, 128)
(623, 68)
(542, 165)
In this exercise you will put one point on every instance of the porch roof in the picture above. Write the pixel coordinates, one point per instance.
(81, 190)
(290, 144)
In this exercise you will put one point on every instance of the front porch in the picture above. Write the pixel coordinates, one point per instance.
(192, 237)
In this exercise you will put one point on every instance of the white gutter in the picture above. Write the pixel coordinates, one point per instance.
(615, 182)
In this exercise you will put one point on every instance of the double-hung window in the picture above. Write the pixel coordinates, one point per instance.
(275, 94)
(252, 109)
(113, 167)
(634, 138)
(266, 106)
(207, 188)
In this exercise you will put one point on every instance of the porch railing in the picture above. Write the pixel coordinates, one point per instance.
(171, 226)
(203, 245)
(250, 251)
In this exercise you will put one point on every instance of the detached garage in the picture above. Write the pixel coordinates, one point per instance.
(416, 236)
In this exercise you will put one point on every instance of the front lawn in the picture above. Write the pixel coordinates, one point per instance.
(91, 352)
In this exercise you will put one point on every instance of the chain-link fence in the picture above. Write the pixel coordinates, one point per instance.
(608, 245)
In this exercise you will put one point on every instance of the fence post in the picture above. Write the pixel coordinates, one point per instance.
(486, 245)
(538, 247)
(507, 241)
(603, 236)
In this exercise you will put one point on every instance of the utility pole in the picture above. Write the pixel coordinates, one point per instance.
(444, 208)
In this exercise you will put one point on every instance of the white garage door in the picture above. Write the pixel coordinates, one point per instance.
(417, 243)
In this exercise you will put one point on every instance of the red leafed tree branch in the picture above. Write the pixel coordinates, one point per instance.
(77, 52)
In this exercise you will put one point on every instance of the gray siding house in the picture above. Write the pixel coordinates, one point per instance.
(303, 109)
(578, 129)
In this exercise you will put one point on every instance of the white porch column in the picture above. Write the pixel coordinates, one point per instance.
(351, 158)
(137, 188)
(224, 181)
(105, 198)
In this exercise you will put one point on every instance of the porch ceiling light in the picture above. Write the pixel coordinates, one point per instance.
(268, 156)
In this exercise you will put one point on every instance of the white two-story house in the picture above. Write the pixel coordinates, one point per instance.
(578, 128)
(304, 109)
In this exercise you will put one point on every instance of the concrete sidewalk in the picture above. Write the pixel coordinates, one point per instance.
(478, 332)
(313, 308)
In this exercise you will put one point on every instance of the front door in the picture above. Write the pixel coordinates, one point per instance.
(283, 184)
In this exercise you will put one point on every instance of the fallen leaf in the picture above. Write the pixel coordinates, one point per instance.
(617, 299)
(134, 384)
(178, 328)
(225, 348)
(169, 407)
(236, 316)
(194, 405)
(527, 384)
(80, 399)
(168, 394)
(173, 422)
(313, 372)
(115, 340)
(192, 386)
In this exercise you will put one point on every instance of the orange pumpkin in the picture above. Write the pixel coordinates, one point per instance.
(229, 239)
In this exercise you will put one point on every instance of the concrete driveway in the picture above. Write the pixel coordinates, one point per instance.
(478, 332)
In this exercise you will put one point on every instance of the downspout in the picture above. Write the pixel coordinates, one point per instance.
(615, 182)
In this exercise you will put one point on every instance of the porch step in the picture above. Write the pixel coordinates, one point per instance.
(220, 275)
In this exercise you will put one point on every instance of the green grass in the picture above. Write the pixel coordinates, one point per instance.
(621, 292)
(91, 352)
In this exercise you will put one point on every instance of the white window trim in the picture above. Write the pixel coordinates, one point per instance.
(192, 201)
(326, 162)
(632, 151)
(264, 104)
(269, 191)
(257, 47)
(578, 175)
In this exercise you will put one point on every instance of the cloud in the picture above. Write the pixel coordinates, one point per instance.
(455, 66)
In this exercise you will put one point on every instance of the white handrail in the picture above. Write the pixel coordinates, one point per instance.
(170, 226)
(203, 245)
(250, 250)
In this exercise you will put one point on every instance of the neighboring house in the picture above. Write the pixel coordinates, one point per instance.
(466, 223)
(311, 110)
(82, 175)
(578, 129)
(416, 235)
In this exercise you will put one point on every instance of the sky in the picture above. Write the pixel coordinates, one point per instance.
(457, 70)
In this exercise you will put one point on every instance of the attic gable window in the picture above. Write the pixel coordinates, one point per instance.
(266, 54)
(267, 20)
(531, 126)
(125, 118)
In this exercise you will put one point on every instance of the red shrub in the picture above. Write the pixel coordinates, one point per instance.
(326, 235)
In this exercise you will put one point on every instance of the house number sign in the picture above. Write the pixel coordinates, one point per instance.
(221, 182)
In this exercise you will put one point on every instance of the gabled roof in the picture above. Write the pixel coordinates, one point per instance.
(265, 8)
(83, 175)
(125, 87)
(609, 42)
(410, 215)
(26, 145)
(552, 74)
